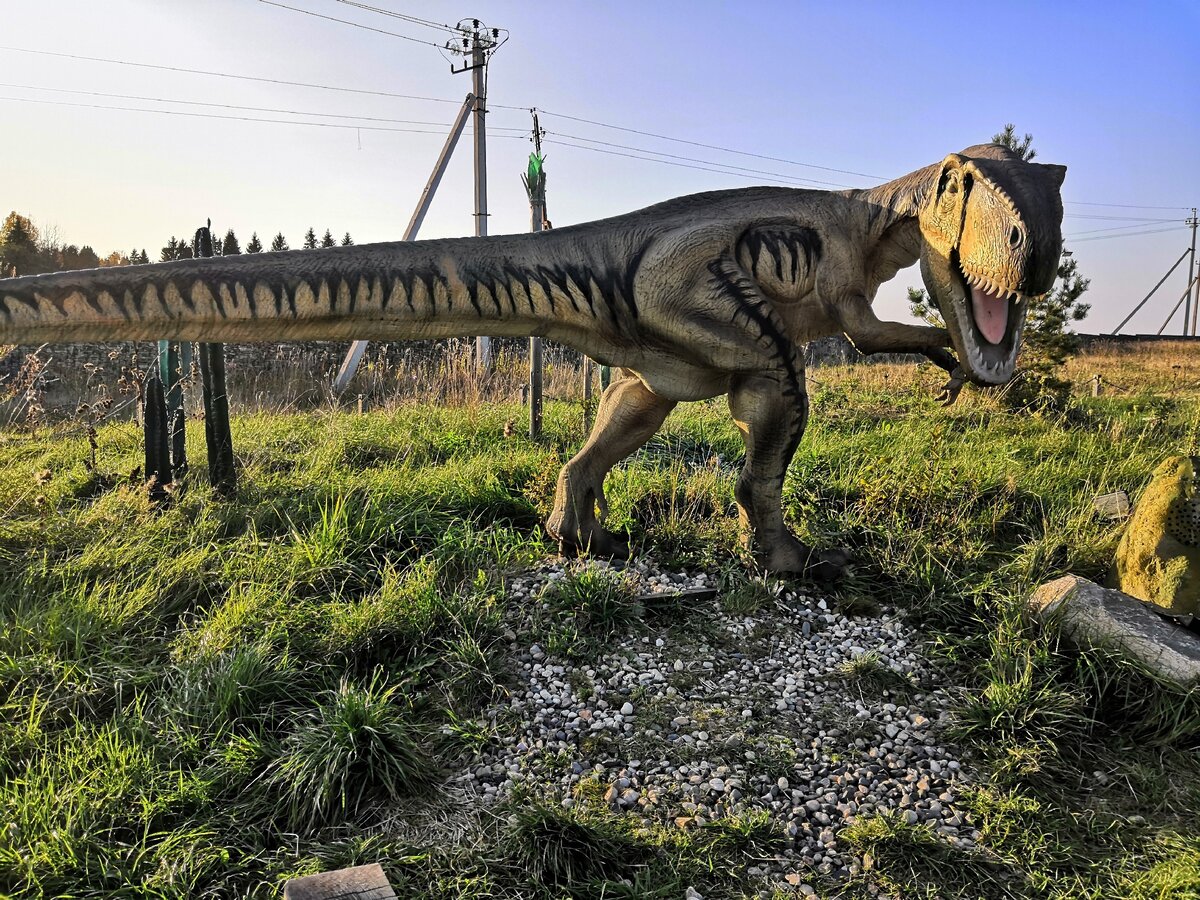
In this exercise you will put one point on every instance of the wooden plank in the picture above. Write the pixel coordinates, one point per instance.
(358, 883)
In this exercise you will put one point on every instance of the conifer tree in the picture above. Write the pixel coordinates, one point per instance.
(310, 239)
(171, 251)
(347, 241)
(230, 246)
(328, 240)
(255, 245)
(279, 242)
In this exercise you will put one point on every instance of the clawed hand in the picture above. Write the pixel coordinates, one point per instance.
(951, 389)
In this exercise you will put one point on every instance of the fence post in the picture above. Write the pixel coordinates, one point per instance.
(1097, 384)
(218, 436)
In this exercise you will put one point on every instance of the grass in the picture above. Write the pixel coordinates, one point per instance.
(207, 700)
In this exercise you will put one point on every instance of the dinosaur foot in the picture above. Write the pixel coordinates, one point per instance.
(951, 389)
(599, 543)
(796, 558)
(585, 539)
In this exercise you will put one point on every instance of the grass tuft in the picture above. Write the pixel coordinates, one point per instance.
(361, 745)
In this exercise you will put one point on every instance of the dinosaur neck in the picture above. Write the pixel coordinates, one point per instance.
(892, 227)
(894, 202)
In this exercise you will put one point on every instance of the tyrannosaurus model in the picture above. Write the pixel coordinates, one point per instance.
(708, 294)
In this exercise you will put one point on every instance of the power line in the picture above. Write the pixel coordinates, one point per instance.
(1117, 218)
(665, 137)
(291, 112)
(1109, 237)
(665, 162)
(416, 20)
(1113, 228)
(724, 166)
(303, 84)
(199, 115)
(1122, 205)
(309, 12)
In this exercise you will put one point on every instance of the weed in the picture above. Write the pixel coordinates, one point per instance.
(362, 744)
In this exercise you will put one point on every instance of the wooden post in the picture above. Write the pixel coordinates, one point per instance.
(219, 438)
(1097, 382)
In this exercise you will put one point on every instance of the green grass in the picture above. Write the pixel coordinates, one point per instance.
(207, 700)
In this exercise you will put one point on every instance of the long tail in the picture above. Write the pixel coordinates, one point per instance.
(504, 285)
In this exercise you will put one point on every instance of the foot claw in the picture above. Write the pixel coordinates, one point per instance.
(952, 388)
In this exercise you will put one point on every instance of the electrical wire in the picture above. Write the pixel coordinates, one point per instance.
(1113, 228)
(667, 162)
(309, 12)
(665, 137)
(281, 81)
(1117, 218)
(1121, 205)
(290, 112)
(199, 115)
(416, 20)
(1109, 237)
(576, 137)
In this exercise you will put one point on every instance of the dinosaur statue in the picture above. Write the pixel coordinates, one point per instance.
(709, 294)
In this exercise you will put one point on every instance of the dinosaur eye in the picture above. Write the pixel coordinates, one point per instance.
(1014, 237)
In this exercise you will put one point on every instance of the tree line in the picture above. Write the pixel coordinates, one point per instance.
(27, 250)
(230, 246)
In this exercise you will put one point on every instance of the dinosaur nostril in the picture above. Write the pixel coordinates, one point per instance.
(1014, 237)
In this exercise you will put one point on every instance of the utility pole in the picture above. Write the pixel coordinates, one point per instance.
(535, 186)
(1192, 307)
(479, 43)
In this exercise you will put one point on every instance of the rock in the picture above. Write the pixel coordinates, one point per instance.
(692, 894)
(627, 709)
(1158, 559)
(1098, 617)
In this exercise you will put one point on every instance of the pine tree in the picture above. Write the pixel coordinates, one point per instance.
(347, 241)
(19, 252)
(310, 239)
(230, 246)
(328, 240)
(169, 252)
(145, 257)
(255, 245)
(279, 242)
(185, 249)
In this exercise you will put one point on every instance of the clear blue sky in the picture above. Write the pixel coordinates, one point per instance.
(1112, 90)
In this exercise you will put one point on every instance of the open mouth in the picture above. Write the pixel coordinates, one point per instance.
(993, 316)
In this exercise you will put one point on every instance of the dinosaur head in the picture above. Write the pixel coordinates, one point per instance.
(991, 237)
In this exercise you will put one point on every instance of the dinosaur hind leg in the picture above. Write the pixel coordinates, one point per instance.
(628, 416)
(771, 412)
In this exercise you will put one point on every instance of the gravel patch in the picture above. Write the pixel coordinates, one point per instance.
(794, 711)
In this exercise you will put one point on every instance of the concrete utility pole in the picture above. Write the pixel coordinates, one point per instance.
(358, 348)
(1193, 306)
(535, 186)
(479, 42)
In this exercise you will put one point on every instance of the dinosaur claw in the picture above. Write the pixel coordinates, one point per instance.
(952, 388)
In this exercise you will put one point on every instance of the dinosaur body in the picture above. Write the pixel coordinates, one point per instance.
(704, 295)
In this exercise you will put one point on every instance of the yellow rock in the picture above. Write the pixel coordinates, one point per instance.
(1158, 559)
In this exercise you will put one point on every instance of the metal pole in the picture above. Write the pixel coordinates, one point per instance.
(1187, 309)
(358, 348)
(483, 344)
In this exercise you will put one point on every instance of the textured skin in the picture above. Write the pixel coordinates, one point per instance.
(1158, 559)
(704, 295)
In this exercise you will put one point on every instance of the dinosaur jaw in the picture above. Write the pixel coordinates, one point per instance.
(984, 320)
(987, 326)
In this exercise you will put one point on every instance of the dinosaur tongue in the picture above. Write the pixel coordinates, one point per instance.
(991, 314)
